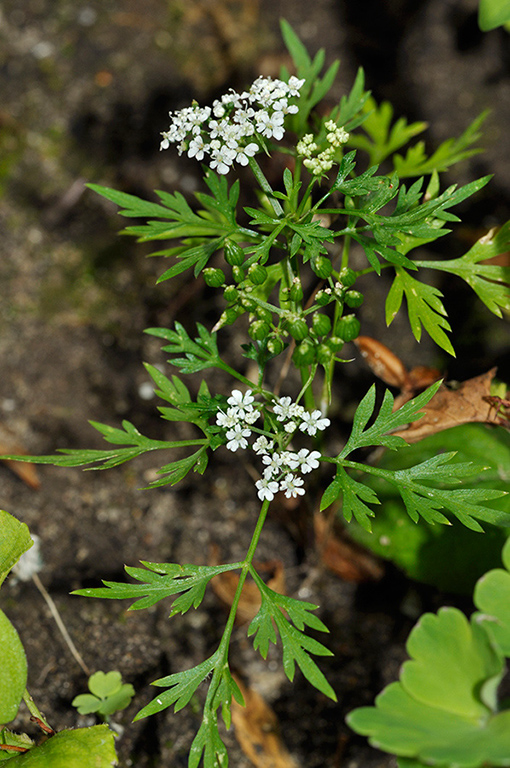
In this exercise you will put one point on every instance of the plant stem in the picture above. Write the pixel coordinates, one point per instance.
(227, 633)
(36, 713)
(265, 185)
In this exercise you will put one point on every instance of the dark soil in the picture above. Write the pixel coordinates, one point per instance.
(86, 89)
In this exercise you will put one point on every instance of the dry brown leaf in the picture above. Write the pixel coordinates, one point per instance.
(257, 731)
(451, 407)
(344, 558)
(383, 362)
(24, 470)
(225, 584)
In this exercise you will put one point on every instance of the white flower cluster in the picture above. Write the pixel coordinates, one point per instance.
(323, 162)
(281, 466)
(224, 131)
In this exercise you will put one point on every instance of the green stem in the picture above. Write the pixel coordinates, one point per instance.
(265, 185)
(227, 633)
(36, 713)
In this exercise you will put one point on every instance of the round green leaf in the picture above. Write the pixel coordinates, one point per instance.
(451, 659)
(103, 684)
(86, 703)
(14, 541)
(117, 701)
(492, 597)
(13, 679)
(81, 748)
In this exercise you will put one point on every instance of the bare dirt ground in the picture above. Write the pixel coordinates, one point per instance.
(86, 88)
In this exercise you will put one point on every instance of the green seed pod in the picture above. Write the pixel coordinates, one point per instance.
(304, 354)
(321, 324)
(353, 299)
(264, 314)
(324, 354)
(234, 254)
(348, 327)
(334, 343)
(259, 330)
(229, 316)
(322, 266)
(347, 277)
(299, 329)
(296, 290)
(275, 345)
(257, 274)
(238, 274)
(324, 297)
(248, 303)
(231, 293)
(214, 277)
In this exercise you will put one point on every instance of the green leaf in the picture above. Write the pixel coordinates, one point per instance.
(13, 679)
(489, 281)
(160, 580)
(14, 541)
(424, 306)
(438, 712)
(180, 687)
(493, 13)
(296, 646)
(450, 557)
(200, 353)
(72, 749)
(450, 152)
(103, 684)
(86, 703)
(492, 597)
(387, 420)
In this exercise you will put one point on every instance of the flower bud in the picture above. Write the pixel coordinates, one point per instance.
(321, 324)
(353, 299)
(214, 277)
(264, 314)
(238, 274)
(348, 327)
(248, 303)
(257, 274)
(304, 354)
(234, 254)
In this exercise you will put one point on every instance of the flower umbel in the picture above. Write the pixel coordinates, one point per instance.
(282, 467)
(225, 132)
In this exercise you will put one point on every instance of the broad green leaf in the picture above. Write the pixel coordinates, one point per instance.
(14, 541)
(80, 748)
(493, 13)
(13, 679)
(492, 598)
(103, 684)
(451, 658)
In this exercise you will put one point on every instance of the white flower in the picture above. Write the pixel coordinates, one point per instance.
(238, 400)
(228, 419)
(262, 445)
(274, 464)
(294, 85)
(237, 437)
(222, 157)
(311, 422)
(304, 461)
(197, 147)
(291, 485)
(250, 414)
(290, 427)
(283, 409)
(266, 488)
(243, 153)
(270, 126)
